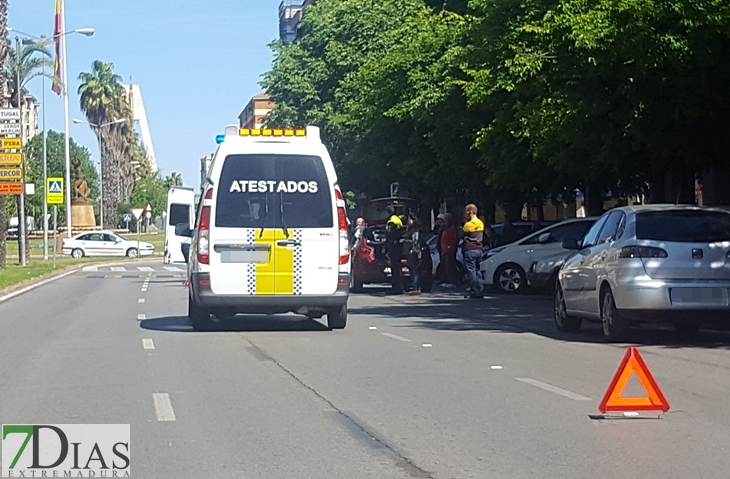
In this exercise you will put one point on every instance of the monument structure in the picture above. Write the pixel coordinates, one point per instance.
(82, 208)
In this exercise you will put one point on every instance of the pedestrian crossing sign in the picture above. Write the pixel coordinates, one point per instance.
(54, 191)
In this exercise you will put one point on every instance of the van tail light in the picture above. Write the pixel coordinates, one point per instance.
(204, 229)
(642, 252)
(342, 219)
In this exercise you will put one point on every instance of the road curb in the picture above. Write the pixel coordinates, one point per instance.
(13, 291)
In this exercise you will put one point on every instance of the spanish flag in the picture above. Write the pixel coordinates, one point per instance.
(57, 33)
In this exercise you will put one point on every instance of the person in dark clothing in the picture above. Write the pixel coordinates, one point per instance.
(394, 248)
(449, 242)
(509, 233)
(412, 241)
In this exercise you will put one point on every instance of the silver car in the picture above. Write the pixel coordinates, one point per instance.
(651, 263)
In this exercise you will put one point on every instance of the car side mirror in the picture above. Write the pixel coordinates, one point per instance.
(183, 229)
(543, 238)
(571, 244)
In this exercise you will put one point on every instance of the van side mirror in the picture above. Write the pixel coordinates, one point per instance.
(183, 229)
(543, 238)
(571, 244)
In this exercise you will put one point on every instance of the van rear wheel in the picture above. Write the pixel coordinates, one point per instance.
(199, 317)
(337, 317)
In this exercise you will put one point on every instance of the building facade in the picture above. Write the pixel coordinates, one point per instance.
(31, 109)
(290, 14)
(255, 112)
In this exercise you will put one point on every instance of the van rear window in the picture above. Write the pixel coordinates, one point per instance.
(683, 226)
(179, 213)
(273, 191)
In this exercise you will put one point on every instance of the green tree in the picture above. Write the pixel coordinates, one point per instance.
(152, 191)
(103, 99)
(55, 151)
(174, 179)
(24, 62)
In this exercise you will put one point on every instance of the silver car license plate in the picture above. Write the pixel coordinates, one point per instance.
(714, 296)
(228, 256)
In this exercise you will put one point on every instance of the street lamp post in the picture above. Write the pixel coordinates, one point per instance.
(22, 224)
(101, 162)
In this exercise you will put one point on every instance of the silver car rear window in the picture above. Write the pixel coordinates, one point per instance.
(683, 226)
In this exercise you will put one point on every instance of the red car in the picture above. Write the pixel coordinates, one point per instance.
(370, 263)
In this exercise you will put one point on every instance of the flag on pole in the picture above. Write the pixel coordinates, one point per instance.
(57, 40)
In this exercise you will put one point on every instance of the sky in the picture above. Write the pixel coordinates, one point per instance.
(197, 62)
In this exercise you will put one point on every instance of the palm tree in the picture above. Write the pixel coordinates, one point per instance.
(174, 179)
(22, 64)
(3, 56)
(103, 100)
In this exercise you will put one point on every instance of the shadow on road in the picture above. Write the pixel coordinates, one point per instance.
(524, 314)
(239, 324)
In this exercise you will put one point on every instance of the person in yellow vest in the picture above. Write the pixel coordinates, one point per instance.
(394, 227)
(473, 244)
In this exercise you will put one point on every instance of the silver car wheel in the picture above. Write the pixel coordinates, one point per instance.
(77, 254)
(132, 253)
(510, 279)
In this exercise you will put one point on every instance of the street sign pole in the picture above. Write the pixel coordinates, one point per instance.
(21, 206)
(139, 225)
(55, 230)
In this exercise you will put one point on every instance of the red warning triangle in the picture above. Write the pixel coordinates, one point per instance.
(654, 399)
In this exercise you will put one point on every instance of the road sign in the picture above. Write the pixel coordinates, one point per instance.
(11, 174)
(54, 191)
(127, 218)
(11, 188)
(654, 399)
(10, 159)
(394, 189)
(10, 129)
(11, 143)
(137, 213)
(9, 114)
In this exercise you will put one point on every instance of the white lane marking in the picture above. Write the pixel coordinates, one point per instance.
(495, 367)
(148, 343)
(163, 407)
(395, 336)
(554, 389)
(173, 268)
(145, 268)
(140, 300)
(118, 268)
(141, 317)
(372, 327)
(91, 268)
(427, 345)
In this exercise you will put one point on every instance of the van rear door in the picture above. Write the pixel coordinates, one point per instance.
(180, 209)
(274, 231)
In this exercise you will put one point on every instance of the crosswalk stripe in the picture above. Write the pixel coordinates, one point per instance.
(145, 268)
(118, 268)
(91, 268)
(173, 268)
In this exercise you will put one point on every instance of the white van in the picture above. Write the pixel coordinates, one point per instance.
(271, 234)
(180, 209)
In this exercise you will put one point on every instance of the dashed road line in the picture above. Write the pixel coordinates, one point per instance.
(141, 317)
(372, 327)
(147, 343)
(145, 268)
(554, 389)
(427, 345)
(91, 268)
(140, 300)
(395, 336)
(174, 268)
(118, 268)
(163, 407)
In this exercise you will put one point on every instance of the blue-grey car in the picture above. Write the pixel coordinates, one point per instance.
(649, 263)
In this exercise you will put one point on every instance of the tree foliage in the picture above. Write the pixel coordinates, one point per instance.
(510, 100)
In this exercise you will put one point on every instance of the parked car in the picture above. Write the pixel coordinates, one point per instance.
(370, 263)
(506, 267)
(543, 275)
(652, 263)
(105, 243)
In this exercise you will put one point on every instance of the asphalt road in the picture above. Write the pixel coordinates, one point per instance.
(416, 387)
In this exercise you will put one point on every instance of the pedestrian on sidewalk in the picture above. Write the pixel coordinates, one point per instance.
(473, 245)
(394, 233)
(449, 241)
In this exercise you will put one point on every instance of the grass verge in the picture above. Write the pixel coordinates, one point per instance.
(14, 274)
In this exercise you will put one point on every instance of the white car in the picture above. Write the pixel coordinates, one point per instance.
(505, 267)
(105, 243)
